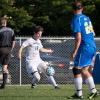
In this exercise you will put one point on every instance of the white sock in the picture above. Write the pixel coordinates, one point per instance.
(78, 85)
(52, 80)
(91, 85)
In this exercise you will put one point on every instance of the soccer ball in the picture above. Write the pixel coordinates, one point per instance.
(50, 71)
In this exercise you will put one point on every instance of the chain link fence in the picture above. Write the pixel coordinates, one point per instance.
(61, 56)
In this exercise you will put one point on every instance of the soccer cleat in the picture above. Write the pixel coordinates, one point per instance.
(56, 87)
(75, 96)
(33, 85)
(93, 95)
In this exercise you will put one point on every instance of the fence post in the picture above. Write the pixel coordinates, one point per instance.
(20, 66)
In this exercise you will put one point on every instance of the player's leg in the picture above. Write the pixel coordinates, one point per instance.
(35, 79)
(77, 83)
(43, 67)
(90, 82)
(88, 56)
(32, 71)
(4, 58)
(5, 75)
(77, 76)
(52, 81)
(50, 76)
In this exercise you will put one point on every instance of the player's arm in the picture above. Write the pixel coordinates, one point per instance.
(13, 41)
(20, 51)
(13, 45)
(77, 44)
(24, 45)
(46, 50)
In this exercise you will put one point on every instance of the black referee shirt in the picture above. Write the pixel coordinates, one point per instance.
(7, 36)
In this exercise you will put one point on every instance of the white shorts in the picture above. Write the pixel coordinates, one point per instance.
(36, 66)
(42, 67)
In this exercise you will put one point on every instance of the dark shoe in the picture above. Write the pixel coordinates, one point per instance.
(2, 86)
(56, 87)
(75, 96)
(33, 85)
(93, 95)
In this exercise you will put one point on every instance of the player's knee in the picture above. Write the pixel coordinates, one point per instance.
(76, 71)
(86, 72)
(37, 76)
(50, 71)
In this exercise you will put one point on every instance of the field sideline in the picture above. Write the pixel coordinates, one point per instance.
(41, 92)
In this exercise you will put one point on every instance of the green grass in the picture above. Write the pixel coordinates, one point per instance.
(41, 92)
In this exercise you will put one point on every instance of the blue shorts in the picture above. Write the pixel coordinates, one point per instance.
(84, 56)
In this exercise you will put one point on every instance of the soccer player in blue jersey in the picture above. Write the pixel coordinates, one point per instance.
(83, 52)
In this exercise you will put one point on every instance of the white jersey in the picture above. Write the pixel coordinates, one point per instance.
(33, 60)
(32, 49)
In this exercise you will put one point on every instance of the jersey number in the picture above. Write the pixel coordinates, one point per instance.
(36, 48)
(88, 27)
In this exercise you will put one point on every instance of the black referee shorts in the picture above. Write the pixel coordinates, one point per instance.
(5, 54)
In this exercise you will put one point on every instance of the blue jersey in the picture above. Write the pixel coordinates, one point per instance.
(81, 23)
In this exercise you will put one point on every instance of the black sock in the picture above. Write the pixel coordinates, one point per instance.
(4, 79)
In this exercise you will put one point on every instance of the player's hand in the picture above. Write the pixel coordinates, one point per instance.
(73, 54)
(50, 51)
(11, 54)
(46, 50)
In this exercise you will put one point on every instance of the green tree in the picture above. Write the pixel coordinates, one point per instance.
(53, 15)
(18, 17)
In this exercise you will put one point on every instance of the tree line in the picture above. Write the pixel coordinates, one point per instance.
(53, 15)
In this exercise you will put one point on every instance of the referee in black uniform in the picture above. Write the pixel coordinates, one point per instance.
(7, 43)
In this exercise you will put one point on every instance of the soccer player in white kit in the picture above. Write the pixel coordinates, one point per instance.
(34, 64)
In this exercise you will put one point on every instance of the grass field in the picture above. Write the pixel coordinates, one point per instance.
(41, 92)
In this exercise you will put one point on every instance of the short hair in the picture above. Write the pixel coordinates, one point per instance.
(38, 28)
(77, 5)
(3, 20)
